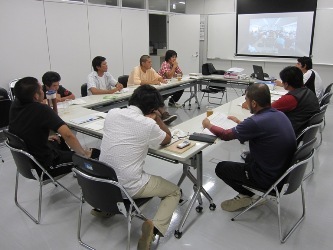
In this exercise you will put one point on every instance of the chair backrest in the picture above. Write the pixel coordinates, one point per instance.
(326, 99)
(208, 69)
(24, 161)
(123, 80)
(298, 166)
(84, 91)
(11, 88)
(5, 103)
(311, 130)
(328, 89)
(94, 179)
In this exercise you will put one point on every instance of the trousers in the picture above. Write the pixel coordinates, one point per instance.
(169, 194)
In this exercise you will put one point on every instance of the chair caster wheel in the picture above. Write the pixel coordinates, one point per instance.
(212, 207)
(178, 234)
(198, 209)
(198, 107)
(189, 104)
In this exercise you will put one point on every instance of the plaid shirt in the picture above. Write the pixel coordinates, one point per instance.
(166, 67)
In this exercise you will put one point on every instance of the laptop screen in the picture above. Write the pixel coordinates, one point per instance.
(258, 72)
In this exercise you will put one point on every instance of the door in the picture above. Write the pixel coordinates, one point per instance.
(184, 38)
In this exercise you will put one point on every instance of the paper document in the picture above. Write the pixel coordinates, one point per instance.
(84, 119)
(97, 125)
(78, 101)
(236, 70)
(220, 120)
(279, 92)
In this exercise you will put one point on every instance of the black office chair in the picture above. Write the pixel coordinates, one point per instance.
(101, 189)
(5, 103)
(310, 132)
(123, 80)
(209, 69)
(288, 183)
(30, 168)
(328, 89)
(325, 100)
(84, 91)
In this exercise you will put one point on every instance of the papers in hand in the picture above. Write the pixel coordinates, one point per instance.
(220, 120)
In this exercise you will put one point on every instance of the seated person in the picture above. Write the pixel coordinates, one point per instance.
(169, 69)
(51, 81)
(134, 129)
(32, 121)
(300, 103)
(100, 81)
(311, 78)
(272, 144)
(145, 74)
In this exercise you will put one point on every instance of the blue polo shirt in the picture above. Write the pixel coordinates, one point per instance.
(272, 144)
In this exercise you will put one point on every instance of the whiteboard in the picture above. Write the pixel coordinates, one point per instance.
(221, 36)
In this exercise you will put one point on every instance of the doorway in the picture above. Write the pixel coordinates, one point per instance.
(157, 39)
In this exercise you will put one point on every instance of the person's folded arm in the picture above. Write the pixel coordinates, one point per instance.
(285, 103)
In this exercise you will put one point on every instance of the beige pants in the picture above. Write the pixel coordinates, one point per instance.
(169, 194)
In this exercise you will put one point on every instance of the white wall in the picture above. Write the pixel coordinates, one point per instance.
(23, 41)
(38, 36)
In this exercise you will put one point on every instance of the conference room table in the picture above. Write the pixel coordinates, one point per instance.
(190, 159)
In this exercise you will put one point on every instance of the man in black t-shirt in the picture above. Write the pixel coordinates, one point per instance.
(51, 81)
(32, 121)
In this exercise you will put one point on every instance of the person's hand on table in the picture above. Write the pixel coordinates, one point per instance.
(119, 86)
(278, 83)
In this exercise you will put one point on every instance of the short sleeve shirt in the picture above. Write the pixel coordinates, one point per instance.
(94, 81)
(32, 122)
(126, 139)
(166, 67)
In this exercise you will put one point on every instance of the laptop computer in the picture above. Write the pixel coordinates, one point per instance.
(259, 73)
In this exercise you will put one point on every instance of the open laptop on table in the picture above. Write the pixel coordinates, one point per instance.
(259, 73)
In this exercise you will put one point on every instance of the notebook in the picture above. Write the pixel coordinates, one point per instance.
(259, 73)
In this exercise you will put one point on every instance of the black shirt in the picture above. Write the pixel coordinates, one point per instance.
(32, 122)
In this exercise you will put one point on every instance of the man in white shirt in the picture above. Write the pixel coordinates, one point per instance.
(128, 133)
(145, 74)
(100, 81)
(311, 78)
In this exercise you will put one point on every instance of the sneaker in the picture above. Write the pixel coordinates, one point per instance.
(147, 236)
(167, 118)
(98, 213)
(175, 105)
(240, 201)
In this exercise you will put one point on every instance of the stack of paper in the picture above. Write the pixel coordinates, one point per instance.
(220, 120)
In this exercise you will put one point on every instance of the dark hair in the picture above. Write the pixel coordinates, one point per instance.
(260, 93)
(305, 62)
(293, 76)
(25, 89)
(143, 59)
(50, 77)
(97, 62)
(169, 54)
(147, 98)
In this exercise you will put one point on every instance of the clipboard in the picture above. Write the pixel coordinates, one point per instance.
(173, 147)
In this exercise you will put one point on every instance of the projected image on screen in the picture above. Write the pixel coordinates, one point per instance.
(275, 34)
(272, 36)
